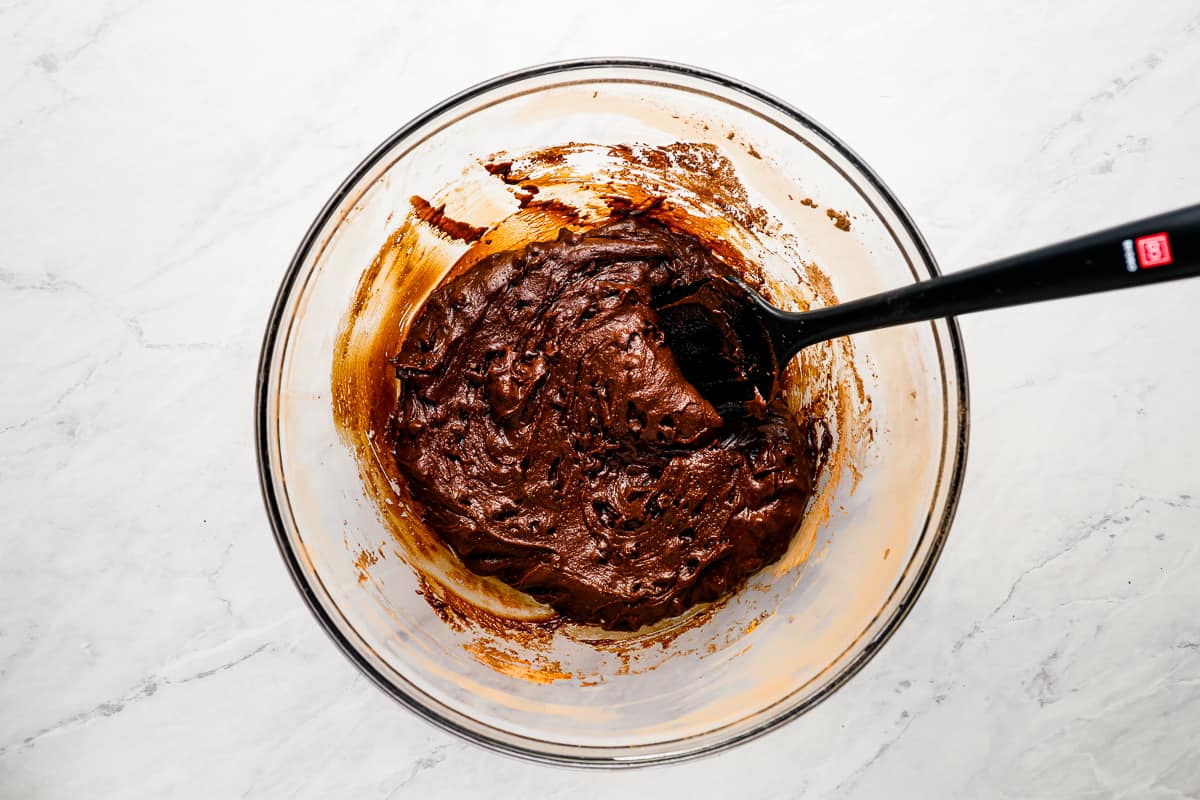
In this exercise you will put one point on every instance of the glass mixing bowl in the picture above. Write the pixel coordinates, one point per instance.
(800, 629)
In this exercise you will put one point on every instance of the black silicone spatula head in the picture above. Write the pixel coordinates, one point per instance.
(721, 336)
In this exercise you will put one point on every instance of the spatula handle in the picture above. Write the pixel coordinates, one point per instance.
(1160, 248)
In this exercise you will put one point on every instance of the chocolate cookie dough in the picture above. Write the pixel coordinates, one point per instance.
(550, 439)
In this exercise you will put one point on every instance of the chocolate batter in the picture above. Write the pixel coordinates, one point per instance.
(552, 441)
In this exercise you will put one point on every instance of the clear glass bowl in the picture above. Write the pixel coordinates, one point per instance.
(798, 631)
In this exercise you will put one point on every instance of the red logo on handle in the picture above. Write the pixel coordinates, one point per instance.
(1153, 251)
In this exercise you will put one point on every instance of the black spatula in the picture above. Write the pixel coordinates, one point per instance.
(731, 344)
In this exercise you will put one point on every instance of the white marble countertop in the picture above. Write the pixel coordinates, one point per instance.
(160, 162)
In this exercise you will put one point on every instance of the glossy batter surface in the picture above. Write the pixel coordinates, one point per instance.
(550, 439)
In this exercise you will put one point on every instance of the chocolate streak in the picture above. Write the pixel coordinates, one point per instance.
(436, 217)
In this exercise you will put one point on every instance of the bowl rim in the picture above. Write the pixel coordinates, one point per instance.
(262, 421)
